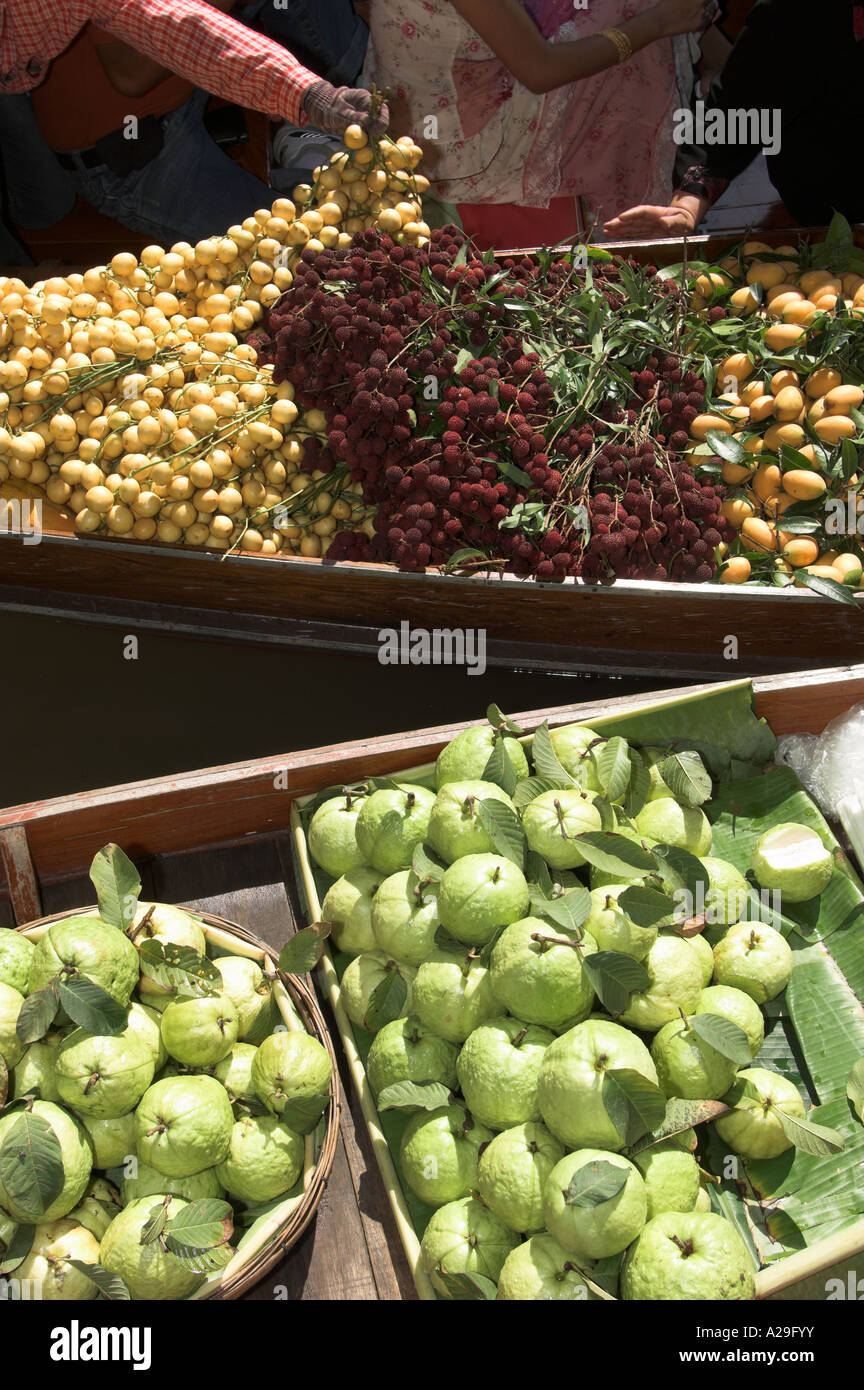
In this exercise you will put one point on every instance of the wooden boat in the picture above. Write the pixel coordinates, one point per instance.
(691, 631)
(219, 840)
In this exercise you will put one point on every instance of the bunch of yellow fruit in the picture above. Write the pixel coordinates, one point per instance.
(128, 396)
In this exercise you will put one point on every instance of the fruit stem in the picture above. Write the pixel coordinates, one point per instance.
(519, 1037)
(134, 931)
(410, 799)
(560, 814)
(685, 1246)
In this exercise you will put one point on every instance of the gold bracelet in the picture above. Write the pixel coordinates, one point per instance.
(621, 42)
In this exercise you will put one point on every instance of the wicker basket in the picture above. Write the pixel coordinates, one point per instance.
(267, 1243)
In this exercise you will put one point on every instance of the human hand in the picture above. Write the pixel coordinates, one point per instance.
(645, 222)
(335, 108)
(684, 16)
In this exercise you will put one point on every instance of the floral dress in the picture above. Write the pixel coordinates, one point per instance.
(607, 138)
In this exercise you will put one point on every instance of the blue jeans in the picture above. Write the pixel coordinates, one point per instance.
(36, 191)
(326, 31)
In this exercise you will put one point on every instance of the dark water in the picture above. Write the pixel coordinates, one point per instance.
(75, 714)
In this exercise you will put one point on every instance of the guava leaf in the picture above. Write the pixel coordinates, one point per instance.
(686, 777)
(302, 1113)
(606, 812)
(615, 977)
(817, 1140)
(531, 787)
(690, 870)
(855, 1088)
(91, 1006)
(385, 784)
(680, 1115)
(546, 761)
(302, 952)
(595, 1183)
(202, 1261)
(633, 1103)
(646, 906)
(613, 767)
(467, 1287)
(17, 1248)
(155, 1223)
(499, 769)
(110, 1286)
(426, 864)
(31, 1163)
(614, 854)
(179, 968)
(497, 718)
(117, 884)
(639, 786)
(537, 874)
(413, 1095)
(567, 912)
(604, 1277)
(38, 1013)
(386, 1001)
(199, 1226)
(504, 829)
(723, 1035)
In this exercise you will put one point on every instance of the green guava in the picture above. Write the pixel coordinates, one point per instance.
(453, 995)
(793, 860)
(103, 1076)
(541, 1270)
(391, 825)
(538, 975)
(466, 756)
(727, 896)
(183, 1124)
(170, 926)
(405, 917)
(113, 1138)
(200, 1032)
(705, 951)
(97, 1208)
(145, 1181)
(602, 878)
(670, 824)
(570, 1085)
(689, 1067)
(554, 820)
(16, 954)
(47, 1264)
(406, 1050)
(498, 1069)
(332, 836)
(671, 1176)
(612, 929)
(464, 1237)
(438, 1153)
(675, 977)
(738, 1007)
(90, 947)
(235, 1071)
(146, 1022)
(34, 1074)
(11, 1046)
(455, 828)
(148, 1271)
(598, 1231)
(362, 977)
(348, 908)
(755, 958)
(77, 1157)
(752, 1127)
(290, 1066)
(512, 1173)
(572, 745)
(244, 983)
(687, 1256)
(480, 893)
(264, 1161)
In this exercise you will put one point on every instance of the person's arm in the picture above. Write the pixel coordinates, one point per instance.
(133, 74)
(541, 66)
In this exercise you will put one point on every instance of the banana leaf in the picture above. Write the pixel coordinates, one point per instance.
(722, 718)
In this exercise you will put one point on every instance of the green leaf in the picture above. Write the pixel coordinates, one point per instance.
(203, 1261)
(31, 1164)
(426, 865)
(597, 1182)
(817, 1140)
(461, 557)
(723, 1035)
(110, 1286)
(531, 787)
(680, 1115)
(855, 1088)
(613, 767)
(605, 1275)
(504, 829)
(4, 1082)
(567, 911)
(499, 769)
(546, 759)
(727, 447)
(91, 1006)
(606, 812)
(117, 884)
(302, 1113)
(538, 875)
(17, 1248)
(615, 977)
(686, 777)
(462, 361)
(38, 1013)
(640, 785)
(633, 1103)
(467, 1288)
(386, 1001)
(302, 952)
(199, 1226)
(497, 718)
(646, 906)
(690, 870)
(412, 1095)
(614, 854)
(179, 968)
(828, 588)
(156, 1222)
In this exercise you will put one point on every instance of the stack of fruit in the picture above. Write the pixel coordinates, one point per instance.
(152, 1098)
(564, 984)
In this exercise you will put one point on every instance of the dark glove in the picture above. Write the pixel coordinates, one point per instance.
(335, 108)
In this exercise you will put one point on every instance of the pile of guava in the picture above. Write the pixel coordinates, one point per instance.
(565, 987)
(153, 1103)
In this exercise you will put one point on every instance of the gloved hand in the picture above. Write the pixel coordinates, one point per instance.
(335, 108)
